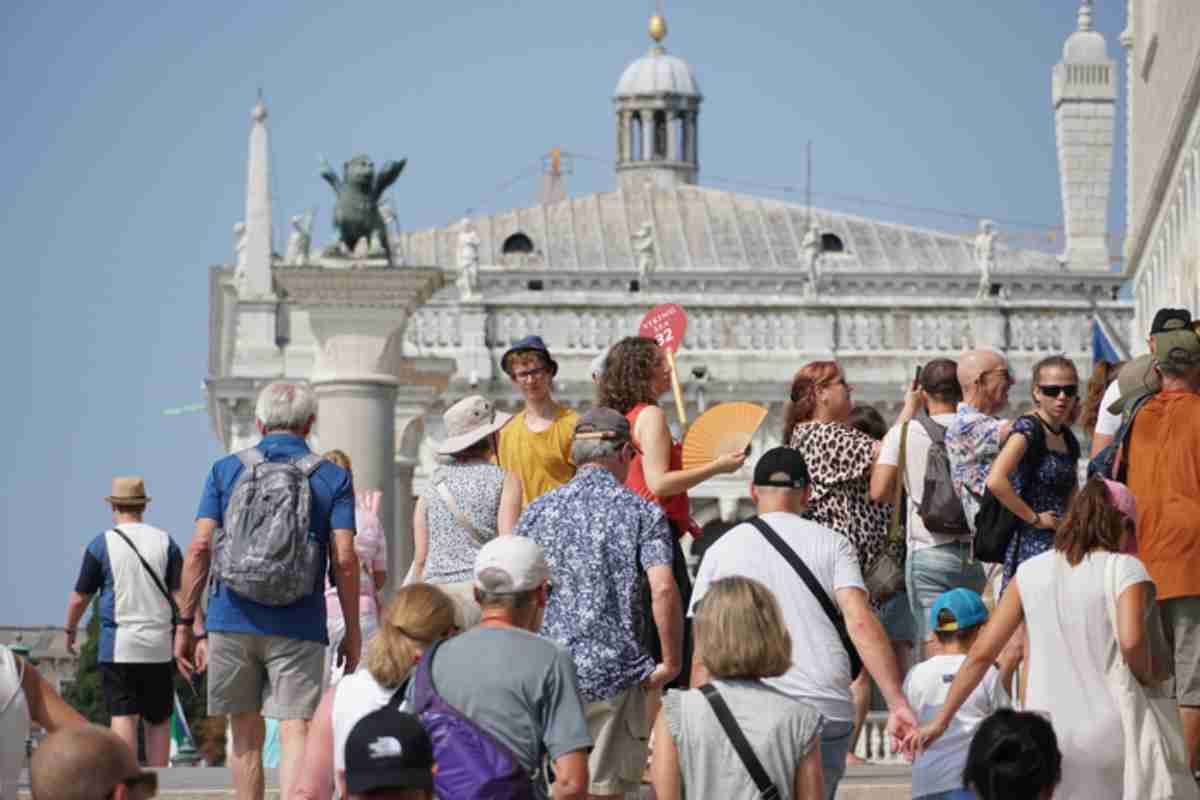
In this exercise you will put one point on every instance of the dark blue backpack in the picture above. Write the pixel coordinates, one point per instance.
(1111, 462)
(472, 764)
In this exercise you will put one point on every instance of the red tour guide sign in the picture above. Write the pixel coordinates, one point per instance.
(665, 324)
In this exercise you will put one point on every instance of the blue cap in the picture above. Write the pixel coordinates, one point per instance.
(530, 344)
(966, 606)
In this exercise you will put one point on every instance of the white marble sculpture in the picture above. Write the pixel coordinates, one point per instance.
(810, 247)
(643, 246)
(239, 245)
(389, 225)
(985, 257)
(468, 260)
(300, 239)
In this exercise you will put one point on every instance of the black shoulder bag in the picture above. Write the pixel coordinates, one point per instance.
(162, 587)
(995, 524)
(818, 591)
(767, 790)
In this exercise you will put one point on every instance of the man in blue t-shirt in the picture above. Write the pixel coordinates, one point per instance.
(262, 659)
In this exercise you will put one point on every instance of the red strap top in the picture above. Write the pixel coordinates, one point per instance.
(677, 507)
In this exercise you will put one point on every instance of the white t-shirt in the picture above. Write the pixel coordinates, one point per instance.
(1107, 422)
(940, 767)
(820, 673)
(914, 476)
(14, 724)
(355, 696)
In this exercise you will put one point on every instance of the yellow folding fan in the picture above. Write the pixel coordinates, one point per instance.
(724, 428)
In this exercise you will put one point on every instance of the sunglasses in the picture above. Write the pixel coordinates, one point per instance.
(1070, 390)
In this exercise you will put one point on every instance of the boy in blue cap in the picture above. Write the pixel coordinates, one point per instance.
(956, 618)
(536, 445)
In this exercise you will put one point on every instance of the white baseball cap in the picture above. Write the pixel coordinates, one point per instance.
(509, 565)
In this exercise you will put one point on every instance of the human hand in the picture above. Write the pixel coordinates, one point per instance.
(70, 639)
(1047, 520)
(730, 462)
(350, 649)
(914, 401)
(901, 724)
(200, 655)
(920, 738)
(184, 645)
(662, 675)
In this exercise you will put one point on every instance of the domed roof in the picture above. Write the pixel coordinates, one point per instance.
(657, 72)
(1085, 46)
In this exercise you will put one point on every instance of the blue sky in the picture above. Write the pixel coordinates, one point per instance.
(124, 166)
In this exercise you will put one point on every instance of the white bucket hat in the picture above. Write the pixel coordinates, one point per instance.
(468, 421)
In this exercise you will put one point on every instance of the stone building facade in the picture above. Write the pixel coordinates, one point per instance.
(767, 285)
(1162, 246)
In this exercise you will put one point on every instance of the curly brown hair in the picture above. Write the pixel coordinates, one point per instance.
(1103, 373)
(1092, 523)
(628, 374)
(802, 402)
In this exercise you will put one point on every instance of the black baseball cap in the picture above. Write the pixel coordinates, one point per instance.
(1166, 319)
(388, 749)
(781, 467)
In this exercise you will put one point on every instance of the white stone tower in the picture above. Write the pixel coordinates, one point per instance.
(254, 269)
(658, 109)
(1084, 91)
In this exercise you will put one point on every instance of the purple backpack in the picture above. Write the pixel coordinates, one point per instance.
(472, 764)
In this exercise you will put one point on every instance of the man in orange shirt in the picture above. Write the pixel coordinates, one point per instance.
(1164, 475)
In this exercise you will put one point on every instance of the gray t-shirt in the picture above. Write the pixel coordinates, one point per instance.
(516, 685)
(781, 730)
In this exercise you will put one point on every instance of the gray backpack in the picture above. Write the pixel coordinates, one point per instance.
(940, 509)
(264, 552)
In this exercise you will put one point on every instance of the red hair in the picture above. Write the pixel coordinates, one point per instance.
(802, 403)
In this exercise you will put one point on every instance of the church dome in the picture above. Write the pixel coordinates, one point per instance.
(657, 73)
(1085, 46)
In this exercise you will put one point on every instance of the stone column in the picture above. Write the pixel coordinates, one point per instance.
(475, 364)
(989, 326)
(358, 318)
(647, 116)
(691, 122)
(674, 123)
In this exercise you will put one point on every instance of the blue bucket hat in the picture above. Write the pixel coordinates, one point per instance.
(530, 344)
(966, 606)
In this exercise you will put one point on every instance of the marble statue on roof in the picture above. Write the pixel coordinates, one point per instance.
(643, 246)
(985, 256)
(300, 239)
(468, 260)
(811, 247)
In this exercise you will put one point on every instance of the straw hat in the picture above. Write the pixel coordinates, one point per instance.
(128, 490)
(468, 421)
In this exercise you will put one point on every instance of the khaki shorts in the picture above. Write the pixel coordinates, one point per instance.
(278, 676)
(1181, 623)
(621, 737)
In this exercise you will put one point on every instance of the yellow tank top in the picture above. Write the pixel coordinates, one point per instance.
(541, 460)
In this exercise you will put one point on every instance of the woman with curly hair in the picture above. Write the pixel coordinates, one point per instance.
(636, 373)
(1103, 374)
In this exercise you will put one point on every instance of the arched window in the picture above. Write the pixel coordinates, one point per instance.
(832, 243)
(517, 243)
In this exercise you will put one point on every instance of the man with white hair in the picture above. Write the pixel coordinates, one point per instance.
(974, 438)
(283, 513)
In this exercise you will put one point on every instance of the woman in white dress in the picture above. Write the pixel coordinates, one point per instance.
(1062, 596)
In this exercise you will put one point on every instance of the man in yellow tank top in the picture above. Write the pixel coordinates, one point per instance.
(537, 443)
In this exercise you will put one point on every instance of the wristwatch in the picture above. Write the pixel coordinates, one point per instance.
(188, 621)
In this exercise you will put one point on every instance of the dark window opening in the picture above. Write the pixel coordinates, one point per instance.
(535, 285)
(832, 243)
(635, 286)
(517, 243)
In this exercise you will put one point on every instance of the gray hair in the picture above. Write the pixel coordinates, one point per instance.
(285, 406)
(513, 601)
(589, 451)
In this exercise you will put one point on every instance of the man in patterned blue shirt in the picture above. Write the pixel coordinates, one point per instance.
(603, 542)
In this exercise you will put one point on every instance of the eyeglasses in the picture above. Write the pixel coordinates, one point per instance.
(146, 780)
(1051, 390)
(997, 371)
(529, 374)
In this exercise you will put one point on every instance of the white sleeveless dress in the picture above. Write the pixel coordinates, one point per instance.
(14, 724)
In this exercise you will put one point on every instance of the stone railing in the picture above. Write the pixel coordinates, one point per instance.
(874, 745)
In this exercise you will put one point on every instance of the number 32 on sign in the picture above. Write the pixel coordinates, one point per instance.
(666, 324)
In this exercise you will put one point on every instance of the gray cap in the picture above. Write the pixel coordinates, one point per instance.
(602, 423)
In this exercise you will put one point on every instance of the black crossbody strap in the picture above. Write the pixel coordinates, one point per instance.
(814, 586)
(767, 790)
(153, 575)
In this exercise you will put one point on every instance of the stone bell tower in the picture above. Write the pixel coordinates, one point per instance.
(658, 110)
(1084, 91)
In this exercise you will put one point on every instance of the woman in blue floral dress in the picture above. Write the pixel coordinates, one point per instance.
(1039, 487)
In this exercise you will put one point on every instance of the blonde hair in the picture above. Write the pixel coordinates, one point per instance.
(740, 631)
(419, 615)
(338, 457)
